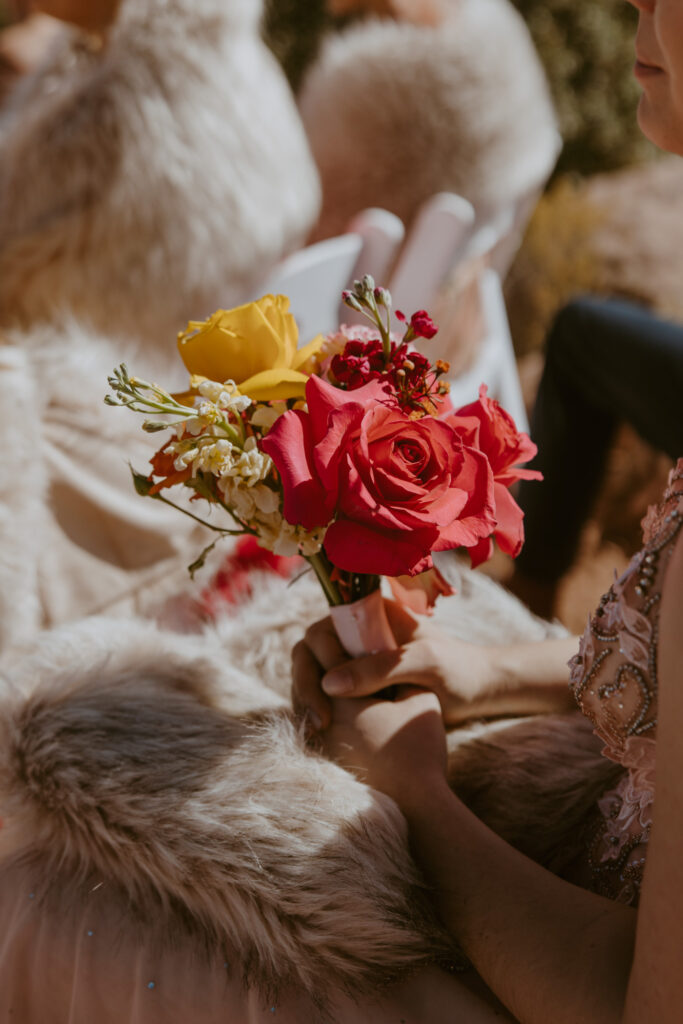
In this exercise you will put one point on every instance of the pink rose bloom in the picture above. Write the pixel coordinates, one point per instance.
(396, 488)
(485, 425)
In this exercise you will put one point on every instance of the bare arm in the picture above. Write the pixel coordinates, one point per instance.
(470, 681)
(549, 950)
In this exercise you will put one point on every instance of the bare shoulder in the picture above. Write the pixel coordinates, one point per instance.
(656, 986)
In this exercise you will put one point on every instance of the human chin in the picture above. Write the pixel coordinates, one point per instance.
(661, 124)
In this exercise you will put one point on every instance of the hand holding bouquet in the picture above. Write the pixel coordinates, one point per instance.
(347, 451)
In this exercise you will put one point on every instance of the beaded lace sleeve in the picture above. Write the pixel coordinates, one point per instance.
(614, 678)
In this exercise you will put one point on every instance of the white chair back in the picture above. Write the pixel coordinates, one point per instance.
(443, 246)
(314, 278)
(434, 246)
(494, 363)
(382, 233)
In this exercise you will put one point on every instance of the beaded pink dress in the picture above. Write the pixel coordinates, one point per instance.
(614, 679)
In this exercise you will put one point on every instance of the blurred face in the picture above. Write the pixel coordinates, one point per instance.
(92, 15)
(659, 71)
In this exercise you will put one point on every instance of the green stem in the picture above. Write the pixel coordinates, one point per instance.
(141, 404)
(165, 404)
(320, 568)
(191, 515)
(233, 433)
(363, 584)
(386, 342)
(383, 330)
(369, 316)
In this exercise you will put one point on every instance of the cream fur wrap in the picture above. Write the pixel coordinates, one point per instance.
(396, 112)
(156, 180)
(169, 767)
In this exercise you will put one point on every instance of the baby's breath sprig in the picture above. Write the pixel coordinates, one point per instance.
(145, 397)
(141, 396)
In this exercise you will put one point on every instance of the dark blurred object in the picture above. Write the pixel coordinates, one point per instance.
(7, 71)
(293, 29)
(607, 362)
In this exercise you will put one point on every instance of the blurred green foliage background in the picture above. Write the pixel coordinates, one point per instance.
(294, 30)
(587, 50)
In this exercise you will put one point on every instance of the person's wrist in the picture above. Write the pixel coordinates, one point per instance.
(496, 677)
(423, 797)
(462, 700)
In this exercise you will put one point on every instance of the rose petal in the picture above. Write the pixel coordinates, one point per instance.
(306, 352)
(322, 398)
(274, 385)
(481, 552)
(419, 593)
(290, 446)
(356, 547)
(509, 532)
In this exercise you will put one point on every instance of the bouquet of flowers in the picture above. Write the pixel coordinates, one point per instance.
(346, 451)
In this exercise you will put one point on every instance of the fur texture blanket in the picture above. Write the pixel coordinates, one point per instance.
(396, 112)
(75, 538)
(154, 180)
(170, 767)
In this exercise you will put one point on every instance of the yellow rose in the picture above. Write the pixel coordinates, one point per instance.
(255, 345)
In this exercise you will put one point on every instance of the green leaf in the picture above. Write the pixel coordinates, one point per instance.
(199, 562)
(204, 485)
(142, 484)
(154, 426)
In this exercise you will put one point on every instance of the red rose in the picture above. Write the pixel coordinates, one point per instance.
(396, 488)
(485, 425)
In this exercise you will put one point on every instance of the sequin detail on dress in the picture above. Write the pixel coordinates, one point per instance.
(614, 679)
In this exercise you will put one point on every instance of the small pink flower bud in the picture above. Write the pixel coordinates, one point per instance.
(423, 325)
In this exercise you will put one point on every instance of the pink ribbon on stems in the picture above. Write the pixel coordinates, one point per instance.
(363, 626)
